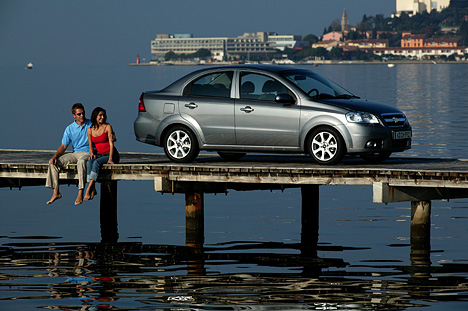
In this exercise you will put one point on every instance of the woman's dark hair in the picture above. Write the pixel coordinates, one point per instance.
(94, 115)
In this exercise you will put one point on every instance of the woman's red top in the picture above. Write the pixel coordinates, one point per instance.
(102, 143)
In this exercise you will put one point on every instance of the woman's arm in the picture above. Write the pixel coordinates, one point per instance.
(110, 132)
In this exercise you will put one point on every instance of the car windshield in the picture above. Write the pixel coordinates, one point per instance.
(316, 86)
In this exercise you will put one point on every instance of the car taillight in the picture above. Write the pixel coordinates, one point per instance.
(141, 104)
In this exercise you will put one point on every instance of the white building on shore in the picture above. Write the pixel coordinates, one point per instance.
(413, 7)
(422, 53)
(224, 48)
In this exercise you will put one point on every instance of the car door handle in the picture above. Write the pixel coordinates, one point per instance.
(191, 105)
(247, 109)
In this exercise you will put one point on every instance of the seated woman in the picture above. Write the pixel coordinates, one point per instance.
(98, 137)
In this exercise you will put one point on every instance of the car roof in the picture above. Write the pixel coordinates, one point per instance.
(266, 67)
(176, 85)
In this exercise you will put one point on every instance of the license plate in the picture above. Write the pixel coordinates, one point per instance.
(402, 135)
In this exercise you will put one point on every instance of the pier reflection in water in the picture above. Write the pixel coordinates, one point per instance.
(235, 275)
(169, 276)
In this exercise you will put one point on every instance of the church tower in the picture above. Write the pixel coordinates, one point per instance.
(344, 22)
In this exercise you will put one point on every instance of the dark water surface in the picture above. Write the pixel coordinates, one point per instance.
(54, 257)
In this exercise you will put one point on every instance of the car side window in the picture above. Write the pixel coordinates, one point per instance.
(260, 87)
(212, 85)
(315, 86)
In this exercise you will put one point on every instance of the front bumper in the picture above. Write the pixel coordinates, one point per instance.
(365, 139)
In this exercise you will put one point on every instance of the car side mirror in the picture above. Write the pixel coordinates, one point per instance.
(285, 99)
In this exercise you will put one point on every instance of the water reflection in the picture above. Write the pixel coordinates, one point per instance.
(120, 276)
(433, 97)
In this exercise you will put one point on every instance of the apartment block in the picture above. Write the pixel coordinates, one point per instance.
(412, 7)
(224, 48)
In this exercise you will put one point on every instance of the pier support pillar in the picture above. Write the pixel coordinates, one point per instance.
(195, 231)
(108, 212)
(194, 219)
(310, 217)
(420, 237)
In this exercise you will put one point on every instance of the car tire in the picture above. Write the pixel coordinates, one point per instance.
(326, 146)
(376, 157)
(231, 156)
(180, 144)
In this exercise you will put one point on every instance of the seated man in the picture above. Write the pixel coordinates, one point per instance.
(75, 134)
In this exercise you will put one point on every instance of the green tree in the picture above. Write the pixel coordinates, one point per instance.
(429, 31)
(311, 38)
(336, 53)
(335, 26)
(366, 23)
(170, 56)
(319, 52)
(201, 53)
(380, 23)
(463, 33)
(304, 53)
(353, 35)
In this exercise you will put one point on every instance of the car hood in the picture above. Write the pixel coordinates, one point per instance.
(355, 104)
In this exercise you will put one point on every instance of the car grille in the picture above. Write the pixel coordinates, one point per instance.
(394, 120)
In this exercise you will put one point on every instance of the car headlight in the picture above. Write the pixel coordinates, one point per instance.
(361, 117)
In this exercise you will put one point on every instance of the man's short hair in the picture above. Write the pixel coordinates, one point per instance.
(77, 106)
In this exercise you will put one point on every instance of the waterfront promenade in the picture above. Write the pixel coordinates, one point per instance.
(312, 63)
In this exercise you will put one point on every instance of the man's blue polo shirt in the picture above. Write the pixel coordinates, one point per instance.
(76, 135)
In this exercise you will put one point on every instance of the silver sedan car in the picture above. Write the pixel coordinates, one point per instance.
(238, 109)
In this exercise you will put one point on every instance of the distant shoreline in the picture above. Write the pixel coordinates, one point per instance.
(314, 63)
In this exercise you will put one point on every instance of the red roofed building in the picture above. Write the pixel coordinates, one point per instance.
(409, 40)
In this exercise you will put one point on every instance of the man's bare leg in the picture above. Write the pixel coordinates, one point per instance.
(79, 198)
(55, 196)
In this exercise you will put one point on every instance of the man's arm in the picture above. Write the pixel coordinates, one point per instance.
(60, 151)
(113, 137)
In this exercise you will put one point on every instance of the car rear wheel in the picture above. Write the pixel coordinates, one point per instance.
(376, 157)
(231, 156)
(180, 145)
(326, 146)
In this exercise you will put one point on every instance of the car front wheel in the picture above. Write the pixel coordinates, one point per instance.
(326, 146)
(180, 145)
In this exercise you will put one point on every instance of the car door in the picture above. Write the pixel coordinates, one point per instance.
(259, 119)
(207, 103)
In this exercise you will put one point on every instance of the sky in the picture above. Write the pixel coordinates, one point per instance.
(115, 31)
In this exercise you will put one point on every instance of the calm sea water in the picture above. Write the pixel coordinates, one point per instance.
(52, 257)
